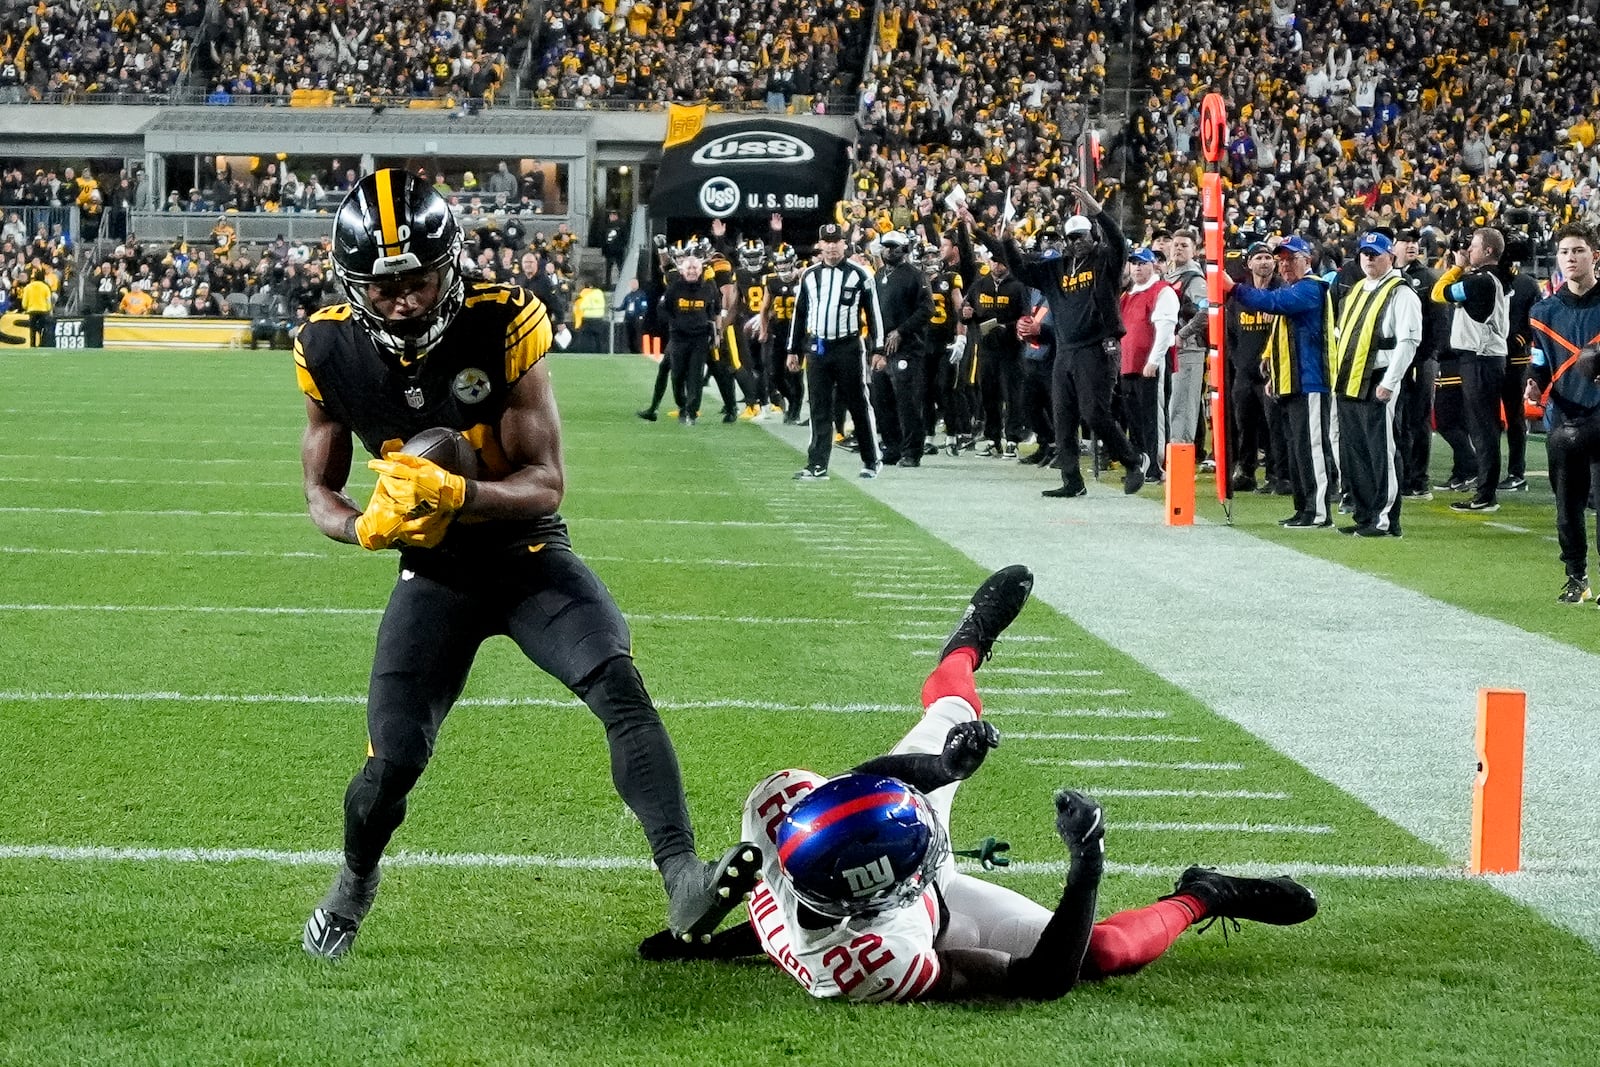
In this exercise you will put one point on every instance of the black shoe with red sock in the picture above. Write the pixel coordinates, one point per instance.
(994, 606)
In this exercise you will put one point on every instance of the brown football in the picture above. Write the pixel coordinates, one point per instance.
(446, 447)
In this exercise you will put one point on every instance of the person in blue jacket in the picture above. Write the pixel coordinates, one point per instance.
(1296, 365)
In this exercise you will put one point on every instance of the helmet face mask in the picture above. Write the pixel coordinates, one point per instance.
(786, 263)
(753, 256)
(394, 237)
(859, 845)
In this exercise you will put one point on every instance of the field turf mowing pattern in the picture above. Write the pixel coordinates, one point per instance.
(774, 624)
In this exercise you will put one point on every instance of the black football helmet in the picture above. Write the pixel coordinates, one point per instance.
(752, 256)
(394, 228)
(786, 262)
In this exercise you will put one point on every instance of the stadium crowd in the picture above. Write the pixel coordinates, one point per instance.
(1438, 116)
(362, 51)
(60, 49)
(774, 53)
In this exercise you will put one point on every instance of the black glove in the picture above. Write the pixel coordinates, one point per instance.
(1080, 823)
(965, 747)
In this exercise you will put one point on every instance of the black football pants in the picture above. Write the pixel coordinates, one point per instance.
(564, 620)
(1573, 448)
(1081, 391)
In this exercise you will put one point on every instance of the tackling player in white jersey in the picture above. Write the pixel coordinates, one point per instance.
(861, 898)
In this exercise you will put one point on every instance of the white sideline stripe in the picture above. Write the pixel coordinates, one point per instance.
(206, 609)
(1190, 794)
(1040, 672)
(102, 458)
(1014, 653)
(1134, 764)
(1116, 739)
(1082, 713)
(1223, 828)
(332, 857)
(1508, 527)
(26, 550)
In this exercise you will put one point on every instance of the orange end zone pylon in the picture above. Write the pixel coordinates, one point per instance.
(1497, 790)
(1180, 485)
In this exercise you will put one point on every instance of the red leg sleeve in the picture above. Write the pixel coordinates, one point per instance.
(1124, 942)
(953, 678)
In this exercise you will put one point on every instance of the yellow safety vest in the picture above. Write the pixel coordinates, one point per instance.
(1356, 339)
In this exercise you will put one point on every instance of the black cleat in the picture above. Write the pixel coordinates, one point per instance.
(1066, 491)
(994, 606)
(1133, 478)
(1577, 590)
(331, 930)
(1280, 901)
(647, 414)
(702, 894)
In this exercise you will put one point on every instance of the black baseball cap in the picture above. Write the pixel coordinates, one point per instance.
(831, 232)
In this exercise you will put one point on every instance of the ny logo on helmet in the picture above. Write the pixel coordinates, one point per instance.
(865, 881)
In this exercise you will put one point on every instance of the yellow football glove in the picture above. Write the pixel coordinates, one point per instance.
(377, 527)
(425, 532)
(420, 486)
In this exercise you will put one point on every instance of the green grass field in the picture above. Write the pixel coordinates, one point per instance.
(149, 498)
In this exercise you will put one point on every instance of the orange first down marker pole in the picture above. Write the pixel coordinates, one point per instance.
(1497, 791)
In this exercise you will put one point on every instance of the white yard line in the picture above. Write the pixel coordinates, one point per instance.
(1110, 739)
(1136, 764)
(514, 861)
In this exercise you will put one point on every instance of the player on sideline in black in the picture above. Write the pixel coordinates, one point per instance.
(417, 347)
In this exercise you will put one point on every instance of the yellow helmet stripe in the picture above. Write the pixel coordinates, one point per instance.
(386, 221)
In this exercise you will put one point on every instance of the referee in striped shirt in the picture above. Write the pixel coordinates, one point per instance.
(834, 294)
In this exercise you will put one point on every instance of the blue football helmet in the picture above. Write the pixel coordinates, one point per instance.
(861, 844)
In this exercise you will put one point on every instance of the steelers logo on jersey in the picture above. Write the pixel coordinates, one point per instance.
(471, 385)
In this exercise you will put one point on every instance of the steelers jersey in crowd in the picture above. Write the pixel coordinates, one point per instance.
(463, 383)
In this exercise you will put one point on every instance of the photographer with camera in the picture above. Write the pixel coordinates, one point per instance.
(1478, 288)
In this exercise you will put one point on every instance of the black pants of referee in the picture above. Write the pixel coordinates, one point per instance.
(1481, 377)
(1369, 462)
(839, 371)
(1416, 425)
(1312, 466)
(1573, 449)
(563, 618)
(1080, 390)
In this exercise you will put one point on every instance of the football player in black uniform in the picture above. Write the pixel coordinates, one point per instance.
(744, 322)
(947, 344)
(777, 313)
(418, 347)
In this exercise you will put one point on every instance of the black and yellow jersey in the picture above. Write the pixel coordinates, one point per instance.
(463, 383)
(944, 286)
(748, 287)
(780, 297)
